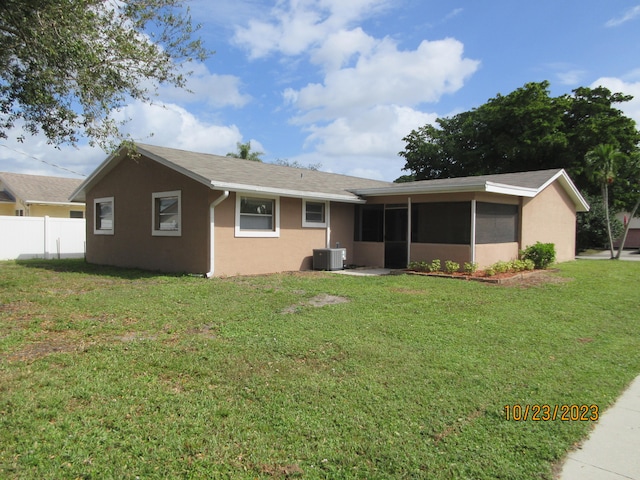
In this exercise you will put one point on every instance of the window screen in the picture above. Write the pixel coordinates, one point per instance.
(369, 225)
(496, 223)
(441, 222)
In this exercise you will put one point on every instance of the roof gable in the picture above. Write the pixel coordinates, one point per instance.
(39, 188)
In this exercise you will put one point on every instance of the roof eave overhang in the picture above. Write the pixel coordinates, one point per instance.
(114, 159)
(490, 187)
(282, 192)
(56, 204)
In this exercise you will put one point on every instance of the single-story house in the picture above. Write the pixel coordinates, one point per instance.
(179, 211)
(38, 196)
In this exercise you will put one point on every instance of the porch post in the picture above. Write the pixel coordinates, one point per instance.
(473, 231)
(408, 230)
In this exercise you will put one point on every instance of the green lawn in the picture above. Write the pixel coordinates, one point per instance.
(108, 373)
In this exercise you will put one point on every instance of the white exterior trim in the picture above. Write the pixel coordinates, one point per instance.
(275, 233)
(105, 231)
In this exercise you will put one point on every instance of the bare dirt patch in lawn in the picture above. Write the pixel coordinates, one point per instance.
(320, 300)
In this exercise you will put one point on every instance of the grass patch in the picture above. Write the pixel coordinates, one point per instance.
(108, 373)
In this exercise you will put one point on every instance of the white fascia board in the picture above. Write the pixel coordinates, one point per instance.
(418, 189)
(254, 189)
(569, 186)
(512, 190)
(104, 168)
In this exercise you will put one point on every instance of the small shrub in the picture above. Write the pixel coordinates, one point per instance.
(435, 265)
(490, 272)
(529, 264)
(501, 267)
(470, 268)
(542, 254)
(451, 266)
(518, 265)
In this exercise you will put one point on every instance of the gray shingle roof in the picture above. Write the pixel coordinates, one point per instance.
(227, 171)
(39, 188)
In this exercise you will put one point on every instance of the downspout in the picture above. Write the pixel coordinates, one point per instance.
(473, 231)
(212, 208)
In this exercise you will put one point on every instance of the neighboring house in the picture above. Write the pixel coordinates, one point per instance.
(633, 237)
(38, 196)
(180, 211)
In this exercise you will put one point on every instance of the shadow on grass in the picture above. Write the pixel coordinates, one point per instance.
(81, 266)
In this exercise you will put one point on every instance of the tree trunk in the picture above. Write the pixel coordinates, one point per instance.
(626, 228)
(605, 200)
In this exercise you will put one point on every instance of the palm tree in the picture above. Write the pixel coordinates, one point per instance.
(244, 152)
(602, 164)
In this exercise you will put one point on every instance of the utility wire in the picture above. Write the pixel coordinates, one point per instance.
(43, 161)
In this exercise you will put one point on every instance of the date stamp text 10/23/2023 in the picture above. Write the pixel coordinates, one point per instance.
(546, 413)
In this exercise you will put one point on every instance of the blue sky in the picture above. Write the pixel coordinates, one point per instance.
(341, 82)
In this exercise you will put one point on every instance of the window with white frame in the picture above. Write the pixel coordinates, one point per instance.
(103, 216)
(257, 216)
(314, 214)
(167, 213)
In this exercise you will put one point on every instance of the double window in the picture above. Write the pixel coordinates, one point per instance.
(167, 214)
(103, 219)
(257, 216)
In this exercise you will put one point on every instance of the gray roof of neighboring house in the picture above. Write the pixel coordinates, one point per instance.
(227, 173)
(39, 188)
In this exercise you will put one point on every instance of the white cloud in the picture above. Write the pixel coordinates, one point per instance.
(631, 109)
(629, 15)
(386, 75)
(296, 25)
(365, 145)
(340, 47)
(208, 88)
(173, 126)
(36, 157)
(571, 77)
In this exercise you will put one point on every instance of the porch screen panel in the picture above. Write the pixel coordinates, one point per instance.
(369, 223)
(441, 222)
(496, 223)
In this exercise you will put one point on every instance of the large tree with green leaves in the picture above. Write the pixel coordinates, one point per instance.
(527, 129)
(67, 65)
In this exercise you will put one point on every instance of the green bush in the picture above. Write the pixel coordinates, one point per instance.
(542, 254)
(451, 266)
(470, 268)
(435, 265)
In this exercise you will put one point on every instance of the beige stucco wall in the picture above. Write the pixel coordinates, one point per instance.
(550, 218)
(292, 250)
(342, 219)
(132, 183)
(426, 252)
(490, 253)
(369, 254)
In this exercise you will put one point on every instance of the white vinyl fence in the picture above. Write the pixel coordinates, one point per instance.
(41, 237)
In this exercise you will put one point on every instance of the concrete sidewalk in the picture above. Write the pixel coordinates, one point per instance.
(632, 255)
(612, 451)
